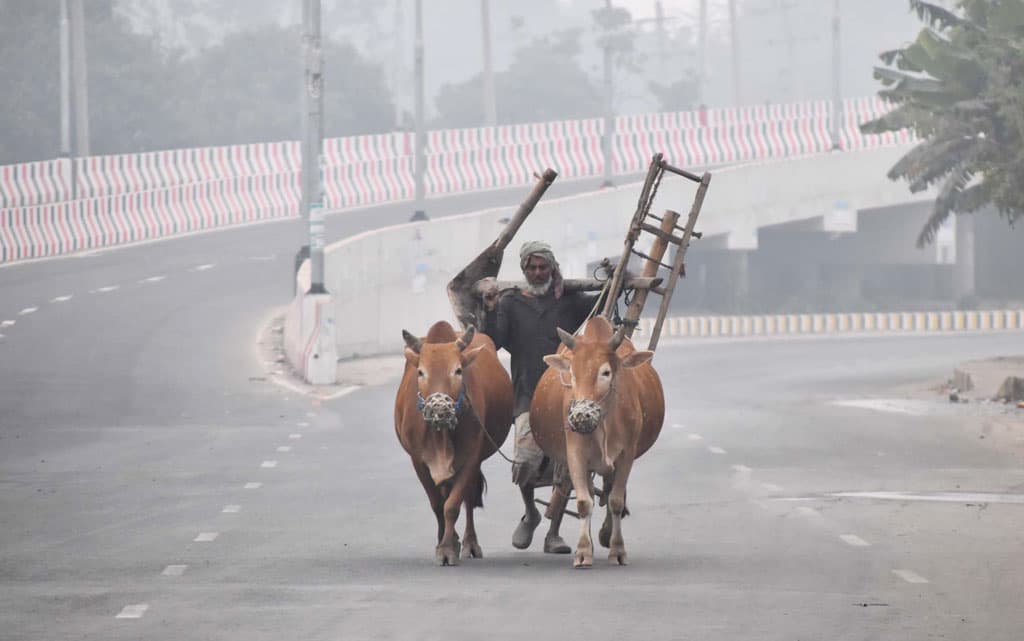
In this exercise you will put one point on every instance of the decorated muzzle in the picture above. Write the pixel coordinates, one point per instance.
(584, 416)
(440, 411)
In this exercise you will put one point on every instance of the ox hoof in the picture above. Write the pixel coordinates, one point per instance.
(583, 561)
(556, 545)
(447, 555)
(618, 557)
(471, 550)
(523, 535)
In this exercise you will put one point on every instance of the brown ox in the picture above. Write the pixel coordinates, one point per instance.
(452, 390)
(597, 408)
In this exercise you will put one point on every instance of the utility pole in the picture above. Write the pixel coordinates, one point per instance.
(65, 97)
(80, 77)
(312, 153)
(420, 212)
(490, 99)
(608, 136)
(318, 361)
(659, 21)
(702, 49)
(737, 93)
(837, 85)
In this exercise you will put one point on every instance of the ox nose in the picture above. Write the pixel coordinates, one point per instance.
(439, 411)
(584, 415)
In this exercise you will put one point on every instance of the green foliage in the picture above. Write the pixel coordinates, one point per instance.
(960, 87)
(544, 82)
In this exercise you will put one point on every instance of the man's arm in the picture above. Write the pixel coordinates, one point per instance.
(497, 322)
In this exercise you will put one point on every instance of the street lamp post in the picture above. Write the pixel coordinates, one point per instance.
(420, 212)
(312, 156)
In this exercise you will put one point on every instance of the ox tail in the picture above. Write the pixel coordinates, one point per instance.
(477, 499)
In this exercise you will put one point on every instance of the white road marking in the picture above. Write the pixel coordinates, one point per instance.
(104, 290)
(133, 611)
(893, 406)
(152, 279)
(268, 464)
(284, 448)
(910, 576)
(809, 511)
(342, 392)
(302, 424)
(206, 537)
(61, 299)
(678, 426)
(231, 509)
(7, 323)
(295, 437)
(253, 486)
(771, 487)
(28, 310)
(937, 497)
(714, 449)
(695, 437)
(203, 268)
(311, 414)
(854, 540)
(174, 570)
(742, 469)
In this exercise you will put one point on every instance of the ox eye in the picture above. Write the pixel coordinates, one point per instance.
(458, 371)
(421, 373)
(606, 374)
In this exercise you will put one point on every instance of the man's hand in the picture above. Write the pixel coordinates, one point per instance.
(489, 292)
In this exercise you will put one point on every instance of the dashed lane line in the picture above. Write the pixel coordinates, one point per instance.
(714, 449)
(284, 448)
(152, 279)
(8, 323)
(206, 537)
(174, 570)
(854, 541)
(742, 469)
(295, 437)
(105, 290)
(268, 464)
(203, 268)
(910, 576)
(695, 437)
(231, 509)
(253, 485)
(28, 310)
(61, 299)
(135, 611)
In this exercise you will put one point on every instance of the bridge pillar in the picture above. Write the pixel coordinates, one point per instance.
(963, 270)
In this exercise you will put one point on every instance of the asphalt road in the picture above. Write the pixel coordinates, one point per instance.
(154, 484)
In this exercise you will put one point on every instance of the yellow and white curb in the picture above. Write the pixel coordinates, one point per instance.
(832, 324)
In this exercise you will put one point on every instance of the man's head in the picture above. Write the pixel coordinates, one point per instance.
(539, 267)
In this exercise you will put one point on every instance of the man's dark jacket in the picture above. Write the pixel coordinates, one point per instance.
(525, 326)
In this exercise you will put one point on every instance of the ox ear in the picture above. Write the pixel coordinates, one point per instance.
(412, 357)
(637, 358)
(557, 361)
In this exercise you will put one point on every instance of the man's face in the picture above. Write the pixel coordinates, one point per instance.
(537, 271)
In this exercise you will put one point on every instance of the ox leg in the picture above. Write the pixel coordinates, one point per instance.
(617, 508)
(584, 557)
(470, 546)
(604, 536)
(448, 549)
(433, 495)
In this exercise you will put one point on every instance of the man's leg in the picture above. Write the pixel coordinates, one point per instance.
(560, 489)
(525, 471)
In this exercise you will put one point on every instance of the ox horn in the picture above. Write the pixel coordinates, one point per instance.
(567, 338)
(414, 343)
(467, 338)
(616, 339)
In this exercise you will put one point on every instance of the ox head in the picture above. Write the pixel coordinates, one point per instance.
(593, 367)
(439, 373)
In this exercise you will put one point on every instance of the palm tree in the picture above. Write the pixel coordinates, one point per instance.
(960, 87)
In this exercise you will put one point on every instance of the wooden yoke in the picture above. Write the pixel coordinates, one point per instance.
(465, 301)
